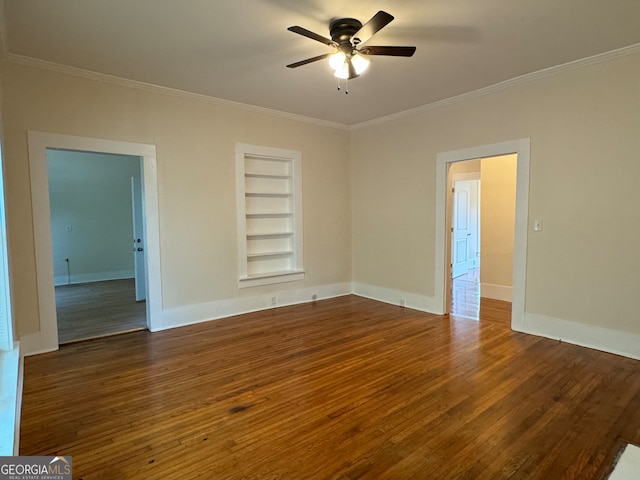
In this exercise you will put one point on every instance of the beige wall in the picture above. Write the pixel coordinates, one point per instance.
(583, 126)
(468, 166)
(582, 123)
(497, 211)
(91, 215)
(195, 143)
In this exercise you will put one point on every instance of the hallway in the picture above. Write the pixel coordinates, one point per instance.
(465, 295)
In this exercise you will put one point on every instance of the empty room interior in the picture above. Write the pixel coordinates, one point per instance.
(272, 239)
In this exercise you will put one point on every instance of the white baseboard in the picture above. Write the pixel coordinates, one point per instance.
(16, 442)
(416, 301)
(10, 400)
(203, 312)
(598, 338)
(496, 292)
(628, 465)
(93, 277)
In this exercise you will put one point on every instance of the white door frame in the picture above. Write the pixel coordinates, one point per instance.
(46, 339)
(139, 256)
(521, 147)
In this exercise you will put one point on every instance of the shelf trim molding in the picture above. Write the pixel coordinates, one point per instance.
(271, 277)
(267, 194)
(267, 175)
(270, 254)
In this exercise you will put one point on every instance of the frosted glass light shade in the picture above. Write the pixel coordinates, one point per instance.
(337, 60)
(342, 72)
(359, 63)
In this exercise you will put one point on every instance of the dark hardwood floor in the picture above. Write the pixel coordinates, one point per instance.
(90, 310)
(347, 388)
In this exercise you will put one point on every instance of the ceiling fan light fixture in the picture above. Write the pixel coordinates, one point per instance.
(360, 63)
(347, 37)
(342, 72)
(337, 60)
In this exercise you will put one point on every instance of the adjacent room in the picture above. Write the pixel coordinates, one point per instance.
(274, 239)
(96, 222)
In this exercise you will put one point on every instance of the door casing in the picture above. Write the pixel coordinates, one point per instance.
(521, 147)
(46, 339)
(137, 211)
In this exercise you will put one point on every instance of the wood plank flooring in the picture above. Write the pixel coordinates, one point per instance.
(90, 310)
(465, 295)
(347, 388)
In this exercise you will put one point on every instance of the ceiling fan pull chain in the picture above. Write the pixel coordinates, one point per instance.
(346, 86)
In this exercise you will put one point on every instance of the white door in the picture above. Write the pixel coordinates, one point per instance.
(465, 245)
(139, 263)
(461, 234)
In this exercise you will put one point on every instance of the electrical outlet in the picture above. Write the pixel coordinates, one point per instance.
(273, 300)
(537, 225)
(314, 297)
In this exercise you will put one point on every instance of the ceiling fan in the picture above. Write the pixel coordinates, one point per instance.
(348, 36)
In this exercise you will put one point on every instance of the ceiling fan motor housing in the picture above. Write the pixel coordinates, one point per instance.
(342, 30)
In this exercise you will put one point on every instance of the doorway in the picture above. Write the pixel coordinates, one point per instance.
(442, 294)
(465, 239)
(46, 339)
(96, 206)
(482, 233)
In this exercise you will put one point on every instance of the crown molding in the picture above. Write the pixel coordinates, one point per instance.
(149, 87)
(497, 87)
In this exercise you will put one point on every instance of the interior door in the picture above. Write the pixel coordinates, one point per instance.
(139, 261)
(461, 229)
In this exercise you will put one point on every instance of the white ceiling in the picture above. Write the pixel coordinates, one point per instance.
(237, 49)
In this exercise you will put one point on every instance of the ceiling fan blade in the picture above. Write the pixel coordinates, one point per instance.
(391, 51)
(309, 60)
(309, 34)
(377, 22)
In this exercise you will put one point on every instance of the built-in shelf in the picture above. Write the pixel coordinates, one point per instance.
(268, 194)
(269, 254)
(269, 186)
(269, 234)
(266, 175)
(269, 215)
(271, 277)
